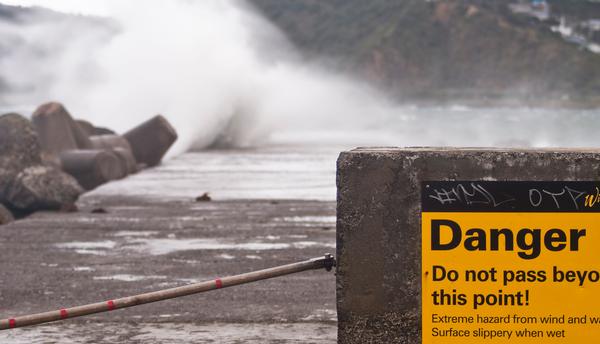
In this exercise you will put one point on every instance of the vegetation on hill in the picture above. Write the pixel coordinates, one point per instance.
(446, 50)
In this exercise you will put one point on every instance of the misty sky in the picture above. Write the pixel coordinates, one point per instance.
(71, 6)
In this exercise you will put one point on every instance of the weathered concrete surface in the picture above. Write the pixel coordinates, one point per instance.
(379, 227)
(144, 243)
(177, 333)
(59, 260)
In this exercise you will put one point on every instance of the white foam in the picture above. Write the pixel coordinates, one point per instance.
(127, 278)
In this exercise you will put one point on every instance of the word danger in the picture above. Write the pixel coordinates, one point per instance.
(529, 242)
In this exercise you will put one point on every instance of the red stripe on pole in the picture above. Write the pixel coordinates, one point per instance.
(219, 283)
(111, 305)
(64, 314)
(12, 323)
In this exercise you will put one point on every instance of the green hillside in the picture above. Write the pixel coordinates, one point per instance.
(471, 50)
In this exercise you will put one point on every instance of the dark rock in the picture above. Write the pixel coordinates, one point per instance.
(204, 198)
(18, 140)
(151, 140)
(57, 131)
(90, 130)
(99, 211)
(43, 188)
(6, 216)
(25, 184)
(19, 148)
(92, 168)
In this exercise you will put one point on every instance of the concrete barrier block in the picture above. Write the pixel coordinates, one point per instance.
(92, 168)
(379, 225)
(151, 140)
(57, 131)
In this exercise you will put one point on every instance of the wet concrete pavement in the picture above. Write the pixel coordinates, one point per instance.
(144, 243)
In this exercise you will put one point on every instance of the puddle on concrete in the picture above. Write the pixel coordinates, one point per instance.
(94, 220)
(270, 237)
(311, 219)
(322, 314)
(161, 246)
(307, 244)
(166, 246)
(297, 236)
(226, 256)
(98, 248)
(127, 278)
(183, 281)
(88, 245)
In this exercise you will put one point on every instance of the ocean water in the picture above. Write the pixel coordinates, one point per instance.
(301, 164)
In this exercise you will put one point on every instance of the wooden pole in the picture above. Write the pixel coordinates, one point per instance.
(326, 262)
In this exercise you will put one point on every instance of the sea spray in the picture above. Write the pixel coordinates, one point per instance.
(224, 76)
(216, 69)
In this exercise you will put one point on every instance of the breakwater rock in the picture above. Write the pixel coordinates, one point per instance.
(27, 184)
(48, 162)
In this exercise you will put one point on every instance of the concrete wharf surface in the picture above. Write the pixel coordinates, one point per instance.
(145, 243)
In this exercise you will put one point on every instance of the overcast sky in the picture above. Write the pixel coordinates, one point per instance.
(72, 6)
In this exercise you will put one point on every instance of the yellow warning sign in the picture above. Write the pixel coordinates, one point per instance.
(509, 268)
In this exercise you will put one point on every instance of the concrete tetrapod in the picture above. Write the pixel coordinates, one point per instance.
(92, 168)
(151, 140)
(120, 147)
(57, 131)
